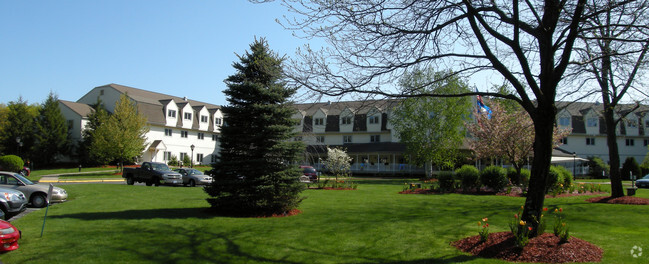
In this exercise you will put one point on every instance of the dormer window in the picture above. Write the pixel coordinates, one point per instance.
(631, 124)
(374, 119)
(203, 119)
(188, 116)
(347, 120)
(217, 121)
(564, 121)
(171, 113)
(592, 122)
(318, 121)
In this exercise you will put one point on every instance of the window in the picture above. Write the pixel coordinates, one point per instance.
(182, 156)
(203, 119)
(168, 132)
(631, 124)
(630, 142)
(215, 137)
(171, 113)
(201, 135)
(70, 124)
(217, 121)
(374, 119)
(320, 139)
(590, 141)
(199, 158)
(318, 121)
(214, 158)
(592, 122)
(564, 121)
(564, 141)
(375, 138)
(101, 92)
(184, 134)
(646, 124)
(347, 139)
(347, 120)
(646, 142)
(188, 116)
(167, 155)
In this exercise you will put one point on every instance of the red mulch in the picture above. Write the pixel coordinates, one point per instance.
(515, 192)
(544, 248)
(289, 213)
(619, 200)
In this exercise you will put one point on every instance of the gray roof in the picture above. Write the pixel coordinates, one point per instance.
(79, 108)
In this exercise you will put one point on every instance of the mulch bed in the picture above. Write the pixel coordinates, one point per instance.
(544, 248)
(515, 192)
(620, 200)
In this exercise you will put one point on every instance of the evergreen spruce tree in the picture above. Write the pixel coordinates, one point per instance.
(256, 173)
(97, 117)
(51, 132)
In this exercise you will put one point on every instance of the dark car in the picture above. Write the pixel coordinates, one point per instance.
(310, 172)
(643, 182)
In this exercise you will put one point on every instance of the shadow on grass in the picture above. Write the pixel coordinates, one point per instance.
(190, 245)
(166, 213)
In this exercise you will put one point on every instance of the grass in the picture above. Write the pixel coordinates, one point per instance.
(90, 176)
(106, 223)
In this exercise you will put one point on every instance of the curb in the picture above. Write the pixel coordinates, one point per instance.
(80, 181)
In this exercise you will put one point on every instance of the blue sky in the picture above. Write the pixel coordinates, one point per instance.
(181, 48)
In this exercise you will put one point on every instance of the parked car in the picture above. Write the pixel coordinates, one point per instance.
(36, 194)
(151, 173)
(9, 236)
(310, 172)
(194, 177)
(643, 182)
(12, 202)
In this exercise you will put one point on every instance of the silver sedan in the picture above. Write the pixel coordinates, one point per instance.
(36, 193)
(193, 177)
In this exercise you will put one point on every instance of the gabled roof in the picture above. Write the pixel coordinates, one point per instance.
(82, 110)
(335, 108)
(150, 97)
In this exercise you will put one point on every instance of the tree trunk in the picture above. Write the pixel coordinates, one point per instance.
(543, 128)
(613, 152)
(429, 169)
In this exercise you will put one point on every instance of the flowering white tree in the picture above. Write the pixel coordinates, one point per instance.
(338, 162)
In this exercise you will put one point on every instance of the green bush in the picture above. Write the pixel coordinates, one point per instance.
(494, 177)
(11, 163)
(597, 168)
(525, 177)
(559, 179)
(630, 166)
(566, 176)
(468, 176)
(446, 181)
(173, 161)
(512, 176)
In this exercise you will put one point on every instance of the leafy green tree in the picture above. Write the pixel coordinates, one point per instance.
(338, 162)
(18, 135)
(597, 168)
(255, 174)
(432, 127)
(3, 124)
(630, 167)
(97, 117)
(51, 132)
(123, 136)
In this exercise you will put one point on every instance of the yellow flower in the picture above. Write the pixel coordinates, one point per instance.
(479, 224)
(485, 219)
(521, 223)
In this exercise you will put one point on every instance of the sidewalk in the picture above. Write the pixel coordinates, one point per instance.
(54, 178)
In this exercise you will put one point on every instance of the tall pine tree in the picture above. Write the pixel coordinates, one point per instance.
(51, 132)
(256, 173)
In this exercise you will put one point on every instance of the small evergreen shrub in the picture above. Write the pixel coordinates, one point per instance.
(11, 163)
(629, 167)
(525, 177)
(446, 181)
(494, 177)
(469, 177)
(513, 177)
(597, 168)
(566, 175)
(173, 161)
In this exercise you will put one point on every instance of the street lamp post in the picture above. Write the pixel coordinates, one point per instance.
(19, 144)
(574, 162)
(192, 157)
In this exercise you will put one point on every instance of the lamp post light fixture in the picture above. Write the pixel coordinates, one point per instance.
(19, 144)
(192, 157)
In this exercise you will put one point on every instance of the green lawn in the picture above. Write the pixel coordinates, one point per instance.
(106, 223)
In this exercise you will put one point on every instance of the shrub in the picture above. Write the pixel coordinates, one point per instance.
(555, 180)
(525, 177)
(11, 163)
(513, 177)
(468, 176)
(446, 181)
(630, 166)
(173, 161)
(566, 175)
(494, 177)
(597, 168)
